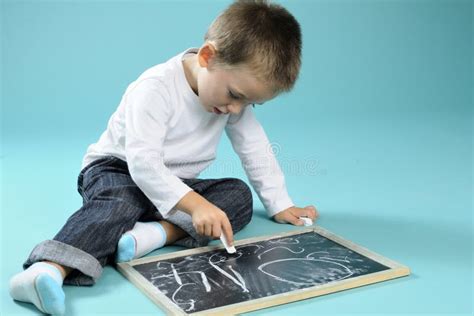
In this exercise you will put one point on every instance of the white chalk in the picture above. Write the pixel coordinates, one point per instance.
(226, 245)
(307, 221)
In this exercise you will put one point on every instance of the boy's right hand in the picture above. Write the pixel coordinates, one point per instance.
(208, 219)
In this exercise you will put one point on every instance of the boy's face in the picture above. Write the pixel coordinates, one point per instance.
(224, 91)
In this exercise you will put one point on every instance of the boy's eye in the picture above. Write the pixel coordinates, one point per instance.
(233, 96)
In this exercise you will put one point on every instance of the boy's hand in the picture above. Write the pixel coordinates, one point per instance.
(208, 219)
(292, 215)
(212, 221)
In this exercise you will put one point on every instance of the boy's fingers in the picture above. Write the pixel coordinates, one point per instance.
(297, 222)
(312, 212)
(227, 231)
(208, 230)
(294, 219)
(216, 231)
(199, 229)
(299, 212)
(316, 213)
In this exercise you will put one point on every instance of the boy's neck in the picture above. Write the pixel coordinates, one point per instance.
(190, 71)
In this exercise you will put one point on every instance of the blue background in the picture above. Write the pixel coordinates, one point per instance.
(377, 134)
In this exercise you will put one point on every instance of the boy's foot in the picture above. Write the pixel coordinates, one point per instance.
(142, 239)
(41, 285)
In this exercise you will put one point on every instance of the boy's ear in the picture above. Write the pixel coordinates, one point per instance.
(206, 53)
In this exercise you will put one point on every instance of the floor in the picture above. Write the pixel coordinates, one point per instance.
(377, 134)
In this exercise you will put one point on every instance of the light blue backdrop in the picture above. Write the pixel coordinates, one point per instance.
(377, 134)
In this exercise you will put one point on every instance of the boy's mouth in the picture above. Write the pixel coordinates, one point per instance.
(217, 111)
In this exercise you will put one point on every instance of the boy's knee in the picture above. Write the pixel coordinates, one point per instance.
(245, 199)
(243, 189)
(240, 184)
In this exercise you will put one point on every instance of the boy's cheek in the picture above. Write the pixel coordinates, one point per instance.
(207, 101)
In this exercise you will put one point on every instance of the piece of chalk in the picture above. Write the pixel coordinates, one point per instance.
(307, 221)
(226, 245)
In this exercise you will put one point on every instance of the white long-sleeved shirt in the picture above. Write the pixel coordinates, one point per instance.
(164, 133)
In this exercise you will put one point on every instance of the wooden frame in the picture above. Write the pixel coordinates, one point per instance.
(395, 270)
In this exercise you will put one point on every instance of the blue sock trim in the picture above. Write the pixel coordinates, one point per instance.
(163, 233)
(51, 268)
(51, 294)
(126, 248)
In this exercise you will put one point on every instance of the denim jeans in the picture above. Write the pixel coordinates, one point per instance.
(113, 203)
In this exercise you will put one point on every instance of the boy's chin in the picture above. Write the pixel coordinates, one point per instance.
(207, 108)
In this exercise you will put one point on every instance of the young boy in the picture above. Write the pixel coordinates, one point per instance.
(139, 181)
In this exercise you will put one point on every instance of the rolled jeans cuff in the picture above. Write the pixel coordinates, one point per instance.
(88, 268)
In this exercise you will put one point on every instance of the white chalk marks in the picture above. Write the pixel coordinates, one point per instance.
(299, 274)
(239, 281)
(186, 304)
(260, 255)
(215, 278)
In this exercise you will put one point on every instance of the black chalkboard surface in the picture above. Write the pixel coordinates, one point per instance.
(265, 269)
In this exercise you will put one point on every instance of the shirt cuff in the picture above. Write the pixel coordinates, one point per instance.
(279, 206)
(167, 207)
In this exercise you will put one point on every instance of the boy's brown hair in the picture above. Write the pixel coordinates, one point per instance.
(262, 36)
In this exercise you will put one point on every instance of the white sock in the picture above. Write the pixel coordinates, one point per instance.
(41, 285)
(143, 238)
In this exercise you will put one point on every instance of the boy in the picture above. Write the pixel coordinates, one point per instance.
(139, 181)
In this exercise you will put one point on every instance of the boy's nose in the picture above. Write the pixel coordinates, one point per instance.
(235, 108)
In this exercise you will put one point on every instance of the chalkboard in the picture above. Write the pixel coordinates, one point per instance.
(265, 271)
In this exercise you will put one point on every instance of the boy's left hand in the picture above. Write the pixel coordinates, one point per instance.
(292, 215)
